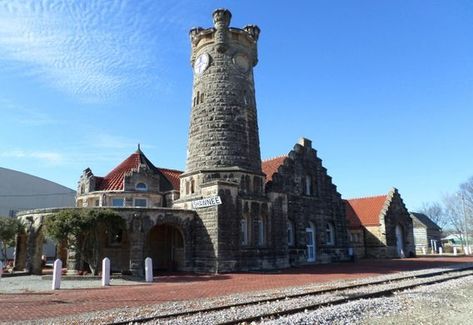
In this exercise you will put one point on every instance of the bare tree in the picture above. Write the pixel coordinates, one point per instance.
(458, 213)
(435, 212)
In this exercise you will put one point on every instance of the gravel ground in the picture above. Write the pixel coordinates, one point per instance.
(445, 303)
(35, 283)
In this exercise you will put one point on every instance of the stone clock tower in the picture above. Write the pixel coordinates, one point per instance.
(223, 134)
(223, 153)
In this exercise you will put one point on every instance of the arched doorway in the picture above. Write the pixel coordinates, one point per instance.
(166, 247)
(310, 242)
(399, 241)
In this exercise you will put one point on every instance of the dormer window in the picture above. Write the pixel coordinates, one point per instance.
(142, 187)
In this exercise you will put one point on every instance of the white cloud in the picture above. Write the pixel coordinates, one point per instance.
(92, 49)
(27, 116)
(49, 157)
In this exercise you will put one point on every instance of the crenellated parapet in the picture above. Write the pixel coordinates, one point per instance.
(222, 37)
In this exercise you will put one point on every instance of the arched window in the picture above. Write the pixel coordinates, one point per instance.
(261, 231)
(142, 187)
(192, 186)
(290, 233)
(244, 231)
(329, 234)
(308, 185)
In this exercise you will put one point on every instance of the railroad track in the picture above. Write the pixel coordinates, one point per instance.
(264, 309)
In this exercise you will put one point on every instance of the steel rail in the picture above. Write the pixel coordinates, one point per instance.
(297, 295)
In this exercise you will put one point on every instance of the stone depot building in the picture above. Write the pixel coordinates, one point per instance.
(254, 215)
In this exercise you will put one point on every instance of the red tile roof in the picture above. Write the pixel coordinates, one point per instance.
(367, 209)
(353, 221)
(172, 176)
(271, 166)
(113, 181)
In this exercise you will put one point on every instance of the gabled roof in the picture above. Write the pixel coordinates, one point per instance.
(270, 166)
(353, 221)
(113, 181)
(368, 209)
(172, 176)
(425, 220)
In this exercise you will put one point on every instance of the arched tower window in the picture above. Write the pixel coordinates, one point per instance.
(192, 186)
(329, 234)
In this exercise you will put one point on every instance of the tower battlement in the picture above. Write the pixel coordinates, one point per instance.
(222, 36)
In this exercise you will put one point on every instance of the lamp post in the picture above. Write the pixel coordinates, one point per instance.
(466, 227)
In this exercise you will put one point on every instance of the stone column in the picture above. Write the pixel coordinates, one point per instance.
(20, 252)
(137, 239)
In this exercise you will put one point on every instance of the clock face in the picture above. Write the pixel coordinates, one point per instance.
(201, 63)
(242, 62)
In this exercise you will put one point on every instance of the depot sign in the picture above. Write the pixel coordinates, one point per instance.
(207, 202)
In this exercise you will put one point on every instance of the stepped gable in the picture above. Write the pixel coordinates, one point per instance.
(368, 209)
(113, 181)
(270, 166)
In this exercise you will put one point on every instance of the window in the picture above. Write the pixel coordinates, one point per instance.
(118, 202)
(143, 203)
(244, 231)
(290, 233)
(192, 186)
(97, 203)
(330, 234)
(142, 187)
(261, 232)
(308, 185)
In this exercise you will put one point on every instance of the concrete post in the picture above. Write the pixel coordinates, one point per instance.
(423, 250)
(455, 251)
(440, 250)
(148, 269)
(57, 273)
(435, 246)
(105, 272)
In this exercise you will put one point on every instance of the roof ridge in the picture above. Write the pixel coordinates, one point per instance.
(272, 158)
(170, 169)
(366, 197)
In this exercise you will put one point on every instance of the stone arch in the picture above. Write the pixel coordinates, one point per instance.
(165, 245)
(168, 242)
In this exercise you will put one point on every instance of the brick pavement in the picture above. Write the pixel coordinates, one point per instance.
(39, 305)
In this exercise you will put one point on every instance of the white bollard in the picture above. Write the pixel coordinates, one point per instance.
(455, 251)
(105, 272)
(57, 272)
(423, 250)
(1, 269)
(465, 250)
(148, 269)
(440, 250)
(469, 250)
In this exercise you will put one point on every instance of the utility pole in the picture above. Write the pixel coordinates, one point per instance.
(466, 227)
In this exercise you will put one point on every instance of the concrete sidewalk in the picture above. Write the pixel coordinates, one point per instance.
(31, 298)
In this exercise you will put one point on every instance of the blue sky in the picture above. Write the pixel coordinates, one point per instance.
(384, 89)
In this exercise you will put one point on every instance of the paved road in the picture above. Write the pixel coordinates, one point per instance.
(29, 297)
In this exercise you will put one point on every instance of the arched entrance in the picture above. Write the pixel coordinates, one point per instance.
(166, 247)
(399, 241)
(310, 242)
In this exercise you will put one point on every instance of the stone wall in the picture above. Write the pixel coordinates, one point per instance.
(312, 198)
